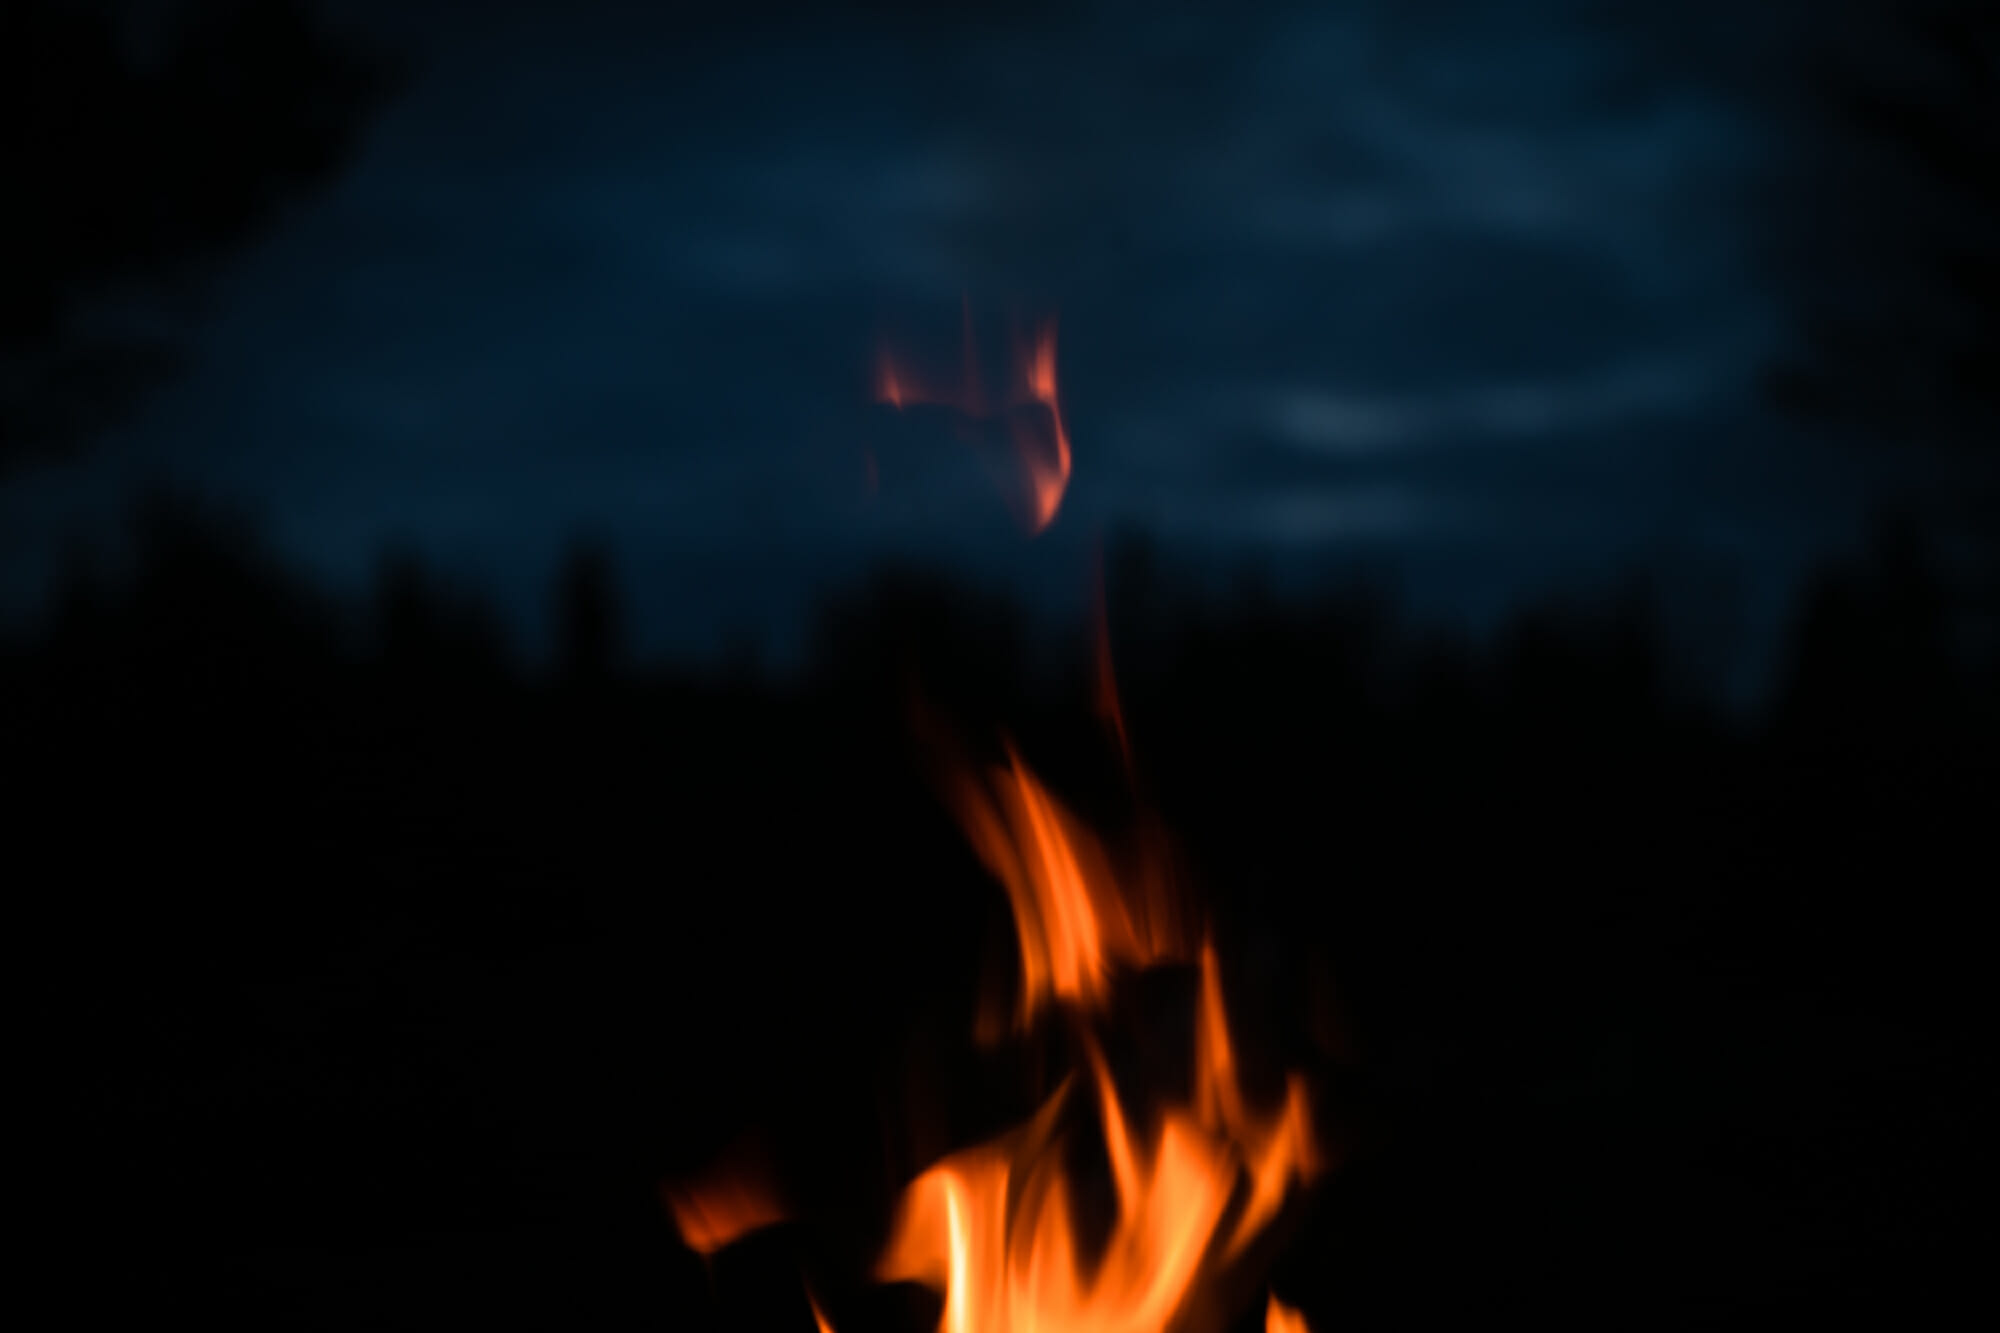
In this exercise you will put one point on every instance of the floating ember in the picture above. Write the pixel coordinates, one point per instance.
(1029, 408)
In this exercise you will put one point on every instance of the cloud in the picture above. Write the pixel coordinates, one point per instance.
(1293, 517)
(1332, 421)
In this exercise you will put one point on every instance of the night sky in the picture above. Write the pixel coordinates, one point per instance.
(1459, 292)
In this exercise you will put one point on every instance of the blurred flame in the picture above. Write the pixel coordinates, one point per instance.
(1278, 1318)
(1105, 680)
(1072, 920)
(1277, 1149)
(733, 1198)
(889, 388)
(1047, 475)
(1033, 411)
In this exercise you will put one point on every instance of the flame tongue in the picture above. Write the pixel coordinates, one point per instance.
(1022, 1267)
(1278, 1318)
(1032, 413)
(734, 1197)
(1048, 471)
(1073, 925)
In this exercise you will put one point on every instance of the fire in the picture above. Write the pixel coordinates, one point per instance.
(994, 1226)
(1278, 1318)
(1199, 1174)
(1197, 1179)
(733, 1198)
(1032, 410)
(1048, 475)
(1074, 923)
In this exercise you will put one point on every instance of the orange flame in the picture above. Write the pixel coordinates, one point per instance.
(1278, 1318)
(1195, 1184)
(993, 1226)
(1073, 923)
(1033, 411)
(1047, 475)
(732, 1199)
(819, 1316)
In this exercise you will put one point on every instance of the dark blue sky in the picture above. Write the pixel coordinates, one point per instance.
(1463, 291)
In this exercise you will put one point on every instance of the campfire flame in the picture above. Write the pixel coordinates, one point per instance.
(1074, 920)
(1278, 1318)
(1032, 412)
(1197, 1180)
(994, 1226)
(1199, 1175)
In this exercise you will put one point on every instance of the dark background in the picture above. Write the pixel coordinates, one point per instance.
(410, 877)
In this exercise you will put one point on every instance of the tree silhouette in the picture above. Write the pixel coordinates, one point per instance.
(424, 633)
(1887, 254)
(416, 950)
(1891, 252)
(128, 167)
(1891, 259)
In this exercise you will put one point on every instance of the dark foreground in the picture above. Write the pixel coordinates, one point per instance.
(381, 989)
